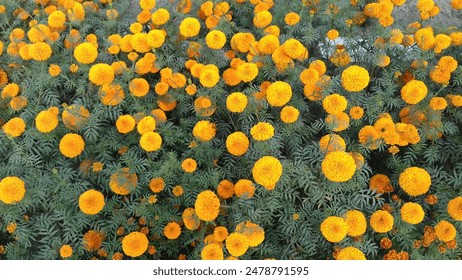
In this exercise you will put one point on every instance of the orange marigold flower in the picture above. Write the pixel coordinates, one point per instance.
(71, 145)
(356, 223)
(101, 74)
(207, 205)
(123, 181)
(135, 244)
(381, 221)
(12, 190)
(86, 53)
(334, 229)
(350, 253)
(15, 127)
(189, 27)
(267, 171)
(445, 231)
(65, 251)
(355, 78)
(172, 230)
(412, 213)
(237, 244)
(338, 166)
(454, 208)
(415, 181)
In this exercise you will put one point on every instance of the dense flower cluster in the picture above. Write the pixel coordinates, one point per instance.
(229, 129)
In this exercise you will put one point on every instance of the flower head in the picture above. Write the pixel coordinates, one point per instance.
(12, 190)
(91, 202)
(135, 244)
(71, 145)
(267, 171)
(381, 221)
(338, 166)
(355, 78)
(415, 181)
(207, 205)
(334, 229)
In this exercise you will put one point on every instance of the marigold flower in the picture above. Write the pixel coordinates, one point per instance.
(225, 189)
(155, 38)
(146, 124)
(247, 72)
(71, 145)
(237, 244)
(111, 94)
(332, 34)
(244, 188)
(334, 103)
(237, 143)
(268, 44)
(267, 171)
(123, 181)
(209, 78)
(332, 142)
(190, 219)
(54, 70)
(160, 16)
(438, 103)
(15, 127)
(414, 91)
(294, 49)
(215, 39)
(334, 229)
(101, 74)
(156, 184)
(91, 202)
(172, 230)
(262, 131)
(212, 251)
(65, 251)
(355, 78)
(10, 90)
(445, 231)
(338, 122)
(86, 53)
(12, 190)
(254, 233)
(189, 27)
(177, 191)
(262, 19)
(92, 240)
(289, 114)
(338, 166)
(139, 87)
(189, 165)
(135, 244)
(380, 183)
(350, 253)
(386, 243)
(381, 221)
(454, 208)
(356, 223)
(125, 124)
(204, 131)
(425, 39)
(236, 102)
(415, 181)
(56, 19)
(207, 206)
(278, 94)
(220, 233)
(150, 141)
(412, 213)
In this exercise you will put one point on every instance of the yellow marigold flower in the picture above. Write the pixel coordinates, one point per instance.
(56, 19)
(456, 4)
(442, 42)
(294, 49)
(207, 206)
(268, 44)
(278, 94)
(177, 191)
(101, 74)
(334, 103)
(332, 142)
(209, 78)
(112, 14)
(369, 137)
(332, 34)
(139, 42)
(156, 184)
(73, 68)
(237, 244)
(135, 244)
(146, 124)
(338, 122)
(247, 72)
(415, 181)
(92, 240)
(150, 141)
(262, 19)
(254, 233)
(123, 181)
(54, 70)
(215, 39)
(338, 166)
(237, 143)
(448, 63)
(204, 131)
(125, 124)
(425, 39)
(456, 38)
(12, 190)
(383, 60)
(220, 233)
(236, 102)
(212, 251)
(225, 189)
(262, 131)
(172, 230)
(350, 253)
(291, 18)
(71, 145)
(380, 183)
(155, 38)
(190, 219)
(414, 91)
(147, 4)
(244, 188)
(75, 116)
(289, 114)
(438, 103)
(267, 171)
(10, 90)
(189, 165)
(40, 51)
(334, 229)
(190, 27)
(97, 166)
(355, 78)
(445, 231)
(139, 87)
(381, 221)
(111, 94)
(356, 223)
(455, 208)
(356, 112)
(412, 213)
(65, 251)
(86, 53)
(14, 127)
(160, 16)
(91, 202)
